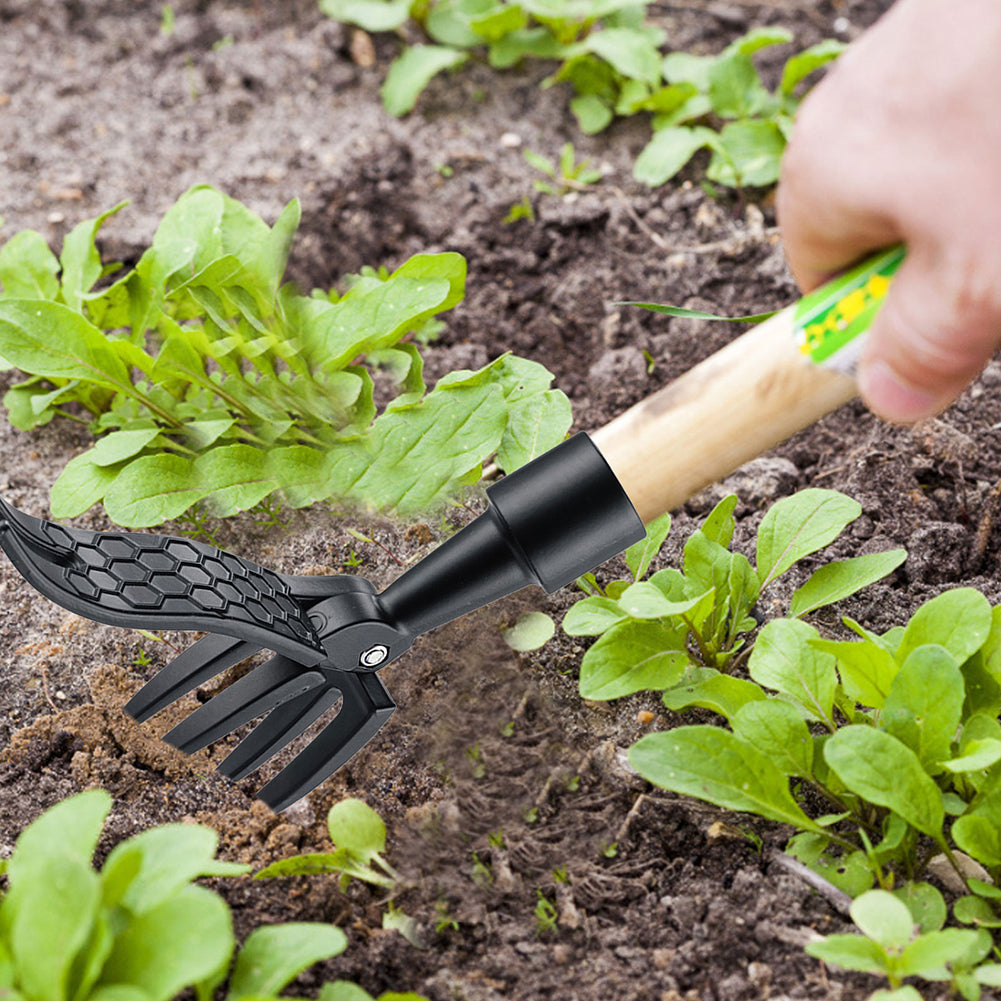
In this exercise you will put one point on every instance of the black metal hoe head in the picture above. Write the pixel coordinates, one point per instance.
(546, 524)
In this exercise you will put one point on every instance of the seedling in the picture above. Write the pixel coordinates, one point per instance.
(211, 387)
(520, 210)
(891, 944)
(546, 915)
(720, 103)
(686, 630)
(359, 835)
(482, 874)
(140, 925)
(444, 921)
(611, 56)
(566, 174)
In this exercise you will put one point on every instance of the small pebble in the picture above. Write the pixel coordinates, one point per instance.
(644, 716)
(510, 140)
(841, 25)
(61, 695)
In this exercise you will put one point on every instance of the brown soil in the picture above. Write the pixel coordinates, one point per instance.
(265, 101)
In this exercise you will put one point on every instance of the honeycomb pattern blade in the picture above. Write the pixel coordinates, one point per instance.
(158, 582)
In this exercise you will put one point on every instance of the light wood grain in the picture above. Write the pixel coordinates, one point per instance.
(738, 403)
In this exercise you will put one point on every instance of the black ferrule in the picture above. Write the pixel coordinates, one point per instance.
(554, 519)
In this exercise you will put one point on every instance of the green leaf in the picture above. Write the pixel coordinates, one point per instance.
(747, 154)
(906, 993)
(630, 657)
(760, 38)
(926, 904)
(686, 67)
(879, 768)
(720, 523)
(925, 702)
(28, 269)
(988, 974)
(162, 860)
(631, 53)
(867, 669)
(54, 895)
(645, 600)
(977, 755)
(959, 620)
(978, 835)
(80, 260)
(695, 314)
(976, 911)
(786, 660)
(735, 89)
(712, 690)
(49, 917)
(802, 64)
(535, 424)
(668, 151)
(776, 729)
(182, 940)
(842, 578)
(273, 956)
(151, 490)
(640, 555)
(313, 864)
(883, 918)
(342, 990)
(592, 616)
(50, 339)
(799, 525)
(592, 113)
(121, 445)
(499, 21)
(411, 72)
(715, 765)
(531, 631)
(232, 478)
(931, 955)
(850, 952)
(80, 485)
(372, 15)
(356, 826)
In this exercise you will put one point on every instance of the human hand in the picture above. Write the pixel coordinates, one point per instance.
(901, 142)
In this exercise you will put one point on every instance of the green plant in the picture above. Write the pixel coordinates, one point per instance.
(892, 944)
(567, 174)
(520, 210)
(360, 838)
(682, 629)
(907, 748)
(546, 915)
(208, 382)
(139, 928)
(610, 55)
(343, 990)
(747, 126)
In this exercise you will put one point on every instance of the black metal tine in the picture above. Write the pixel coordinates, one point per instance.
(199, 663)
(367, 706)
(280, 727)
(248, 697)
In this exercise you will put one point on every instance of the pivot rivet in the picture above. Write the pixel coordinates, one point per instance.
(374, 655)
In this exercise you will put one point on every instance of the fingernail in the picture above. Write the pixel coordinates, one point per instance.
(893, 398)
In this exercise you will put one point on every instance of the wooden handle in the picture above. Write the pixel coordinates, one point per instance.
(740, 402)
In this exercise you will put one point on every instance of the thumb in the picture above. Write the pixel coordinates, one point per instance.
(933, 335)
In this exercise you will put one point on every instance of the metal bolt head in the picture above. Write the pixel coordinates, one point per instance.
(374, 655)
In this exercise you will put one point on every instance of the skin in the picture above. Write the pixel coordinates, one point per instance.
(902, 142)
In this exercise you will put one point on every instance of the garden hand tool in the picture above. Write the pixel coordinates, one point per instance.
(547, 523)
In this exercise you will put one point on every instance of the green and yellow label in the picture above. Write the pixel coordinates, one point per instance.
(830, 319)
